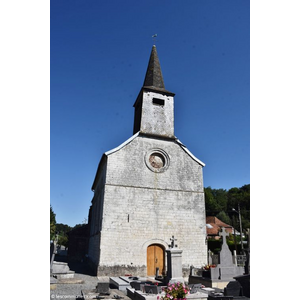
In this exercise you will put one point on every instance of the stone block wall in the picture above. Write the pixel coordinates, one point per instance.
(136, 206)
(164, 115)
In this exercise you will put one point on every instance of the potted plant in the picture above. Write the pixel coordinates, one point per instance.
(206, 271)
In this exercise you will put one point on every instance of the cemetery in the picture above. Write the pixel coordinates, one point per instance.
(220, 275)
(222, 281)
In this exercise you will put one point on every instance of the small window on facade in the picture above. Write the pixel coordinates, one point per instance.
(159, 102)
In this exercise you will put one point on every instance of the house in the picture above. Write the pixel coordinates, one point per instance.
(215, 226)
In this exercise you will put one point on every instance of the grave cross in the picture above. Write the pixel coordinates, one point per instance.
(53, 251)
(224, 234)
(172, 242)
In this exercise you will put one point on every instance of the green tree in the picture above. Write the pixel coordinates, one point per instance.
(245, 206)
(220, 196)
(78, 225)
(240, 197)
(234, 197)
(63, 240)
(224, 217)
(211, 204)
(62, 229)
(220, 202)
(52, 224)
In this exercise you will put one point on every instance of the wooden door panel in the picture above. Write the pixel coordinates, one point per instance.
(155, 259)
(150, 260)
(159, 259)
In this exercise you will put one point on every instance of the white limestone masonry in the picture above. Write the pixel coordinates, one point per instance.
(147, 190)
(163, 114)
(137, 207)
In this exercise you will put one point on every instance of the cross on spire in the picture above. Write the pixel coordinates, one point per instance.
(154, 36)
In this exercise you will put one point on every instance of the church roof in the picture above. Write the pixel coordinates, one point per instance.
(107, 153)
(176, 141)
(189, 153)
(154, 78)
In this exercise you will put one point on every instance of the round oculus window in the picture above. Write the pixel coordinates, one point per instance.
(157, 160)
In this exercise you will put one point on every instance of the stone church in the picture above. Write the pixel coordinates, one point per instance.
(147, 190)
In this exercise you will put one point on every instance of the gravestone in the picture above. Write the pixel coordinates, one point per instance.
(234, 257)
(136, 285)
(210, 261)
(120, 283)
(219, 296)
(225, 254)
(103, 286)
(226, 269)
(194, 288)
(233, 288)
(244, 281)
(51, 251)
(174, 263)
(152, 289)
(247, 263)
(61, 270)
(52, 255)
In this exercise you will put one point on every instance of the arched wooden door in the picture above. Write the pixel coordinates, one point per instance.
(155, 259)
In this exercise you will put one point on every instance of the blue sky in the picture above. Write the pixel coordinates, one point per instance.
(99, 55)
(99, 51)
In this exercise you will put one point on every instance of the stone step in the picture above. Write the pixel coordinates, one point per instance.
(67, 275)
(60, 267)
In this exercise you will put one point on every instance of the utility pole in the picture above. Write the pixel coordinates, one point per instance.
(241, 229)
(242, 245)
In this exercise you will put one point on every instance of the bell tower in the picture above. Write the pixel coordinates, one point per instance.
(154, 106)
(146, 183)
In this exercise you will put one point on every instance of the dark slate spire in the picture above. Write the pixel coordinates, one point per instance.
(154, 106)
(154, 78)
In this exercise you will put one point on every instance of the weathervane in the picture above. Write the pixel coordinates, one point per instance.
(154, 36)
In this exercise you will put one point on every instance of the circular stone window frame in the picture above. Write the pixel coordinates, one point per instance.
(163, 154)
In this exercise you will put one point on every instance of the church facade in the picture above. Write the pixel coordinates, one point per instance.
(147, 190)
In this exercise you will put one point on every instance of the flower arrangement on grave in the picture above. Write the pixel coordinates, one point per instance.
(175, 291)
(208, 267)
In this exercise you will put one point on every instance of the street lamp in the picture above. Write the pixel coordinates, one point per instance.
(241, 230)
(206, 242)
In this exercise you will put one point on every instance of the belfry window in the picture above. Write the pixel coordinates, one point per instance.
(159, 102)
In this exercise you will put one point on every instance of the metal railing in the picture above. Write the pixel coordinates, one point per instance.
(240, 260)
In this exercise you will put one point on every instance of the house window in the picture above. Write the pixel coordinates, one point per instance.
(159, 102)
